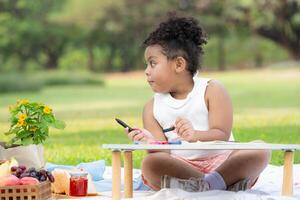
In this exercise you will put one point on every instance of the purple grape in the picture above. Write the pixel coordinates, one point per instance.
(50, 177)
(13, 168)
(22, 167)
(26, 174)
(31, 169)
(44, 172)
(19, 172)
(33, 174)
(43, 178)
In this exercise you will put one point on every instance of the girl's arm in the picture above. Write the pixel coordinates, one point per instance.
(151, 124)
(219, 116)
(220, 113)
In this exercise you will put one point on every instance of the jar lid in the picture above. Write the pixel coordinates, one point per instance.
(78, 174)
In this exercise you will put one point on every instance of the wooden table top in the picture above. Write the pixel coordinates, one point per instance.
(215, 145)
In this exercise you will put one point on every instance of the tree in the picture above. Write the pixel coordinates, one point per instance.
(54, 42)
(127, 26)
(26, 33)
(213, 19)
(120, 29)
(278, 21)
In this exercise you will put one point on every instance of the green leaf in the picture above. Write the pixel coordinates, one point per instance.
(14, 120)
(44, 129)
(49, 118)
(8, 133)
(13, 141)
(27, 141)
(24, 135)
(59, 124)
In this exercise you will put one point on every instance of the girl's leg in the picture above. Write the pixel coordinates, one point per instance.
(158, 164)
(243, 164)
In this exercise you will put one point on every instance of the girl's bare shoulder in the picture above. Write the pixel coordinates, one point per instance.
(149, 104)
(215, 89)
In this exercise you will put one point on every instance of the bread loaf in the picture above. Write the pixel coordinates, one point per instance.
(62, 182)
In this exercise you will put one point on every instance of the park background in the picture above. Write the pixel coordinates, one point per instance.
(84, 58)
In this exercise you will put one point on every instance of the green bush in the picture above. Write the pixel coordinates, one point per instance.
(241, 52)
(71, 78)
(19, 82)
(16, 82)
(74, 60)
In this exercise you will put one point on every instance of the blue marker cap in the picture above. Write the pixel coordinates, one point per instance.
(175, 142)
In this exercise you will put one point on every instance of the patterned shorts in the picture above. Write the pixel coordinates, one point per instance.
(204, 165)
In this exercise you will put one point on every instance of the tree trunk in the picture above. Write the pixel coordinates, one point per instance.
(287, 43)
(109, 63)
(22, 61)
(91, 58)
(52, 62)
(22, 65)
(221, 54)
(282, 40)
(127, 65)
(258, 60)
(294, 53)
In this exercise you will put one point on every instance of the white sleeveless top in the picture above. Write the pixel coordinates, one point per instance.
(166, 109)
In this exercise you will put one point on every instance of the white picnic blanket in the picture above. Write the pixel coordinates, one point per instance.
(267, 187)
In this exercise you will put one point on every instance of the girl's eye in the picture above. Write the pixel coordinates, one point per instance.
(152, 64)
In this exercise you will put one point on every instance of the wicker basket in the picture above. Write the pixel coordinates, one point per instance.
(41, 191)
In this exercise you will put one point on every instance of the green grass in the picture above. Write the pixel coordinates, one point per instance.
(266, 107)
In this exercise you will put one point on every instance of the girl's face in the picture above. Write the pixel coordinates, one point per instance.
(159, 71)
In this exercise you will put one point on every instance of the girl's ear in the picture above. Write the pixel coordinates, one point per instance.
(180, 64)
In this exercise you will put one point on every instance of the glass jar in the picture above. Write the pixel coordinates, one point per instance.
(78, 184)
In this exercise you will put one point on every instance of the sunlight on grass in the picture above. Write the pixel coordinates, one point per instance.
(266, 107)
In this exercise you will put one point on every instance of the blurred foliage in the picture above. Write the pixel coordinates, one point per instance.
(66, 78)
(107, 35)
(19, 82)
(278, 21)
(14, 82)
(26, 33)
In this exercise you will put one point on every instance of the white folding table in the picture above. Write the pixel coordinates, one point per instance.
(289, 149)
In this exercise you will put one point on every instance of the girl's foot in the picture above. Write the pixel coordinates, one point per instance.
(199, 184)
(190, 185)
(240, 185)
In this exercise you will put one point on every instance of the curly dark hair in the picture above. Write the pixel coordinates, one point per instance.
(180, 36)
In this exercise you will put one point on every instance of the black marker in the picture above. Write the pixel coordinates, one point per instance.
(169, 129)
(124, 124)
(131, 129)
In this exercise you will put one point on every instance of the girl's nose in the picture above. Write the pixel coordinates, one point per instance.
(147, 71)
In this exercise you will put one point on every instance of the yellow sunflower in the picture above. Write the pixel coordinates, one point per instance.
(22, 117)
(47, 110)
(21, 123)
(23, 102)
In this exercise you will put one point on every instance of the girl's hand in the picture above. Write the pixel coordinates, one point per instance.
(185, 130)
(139, 134)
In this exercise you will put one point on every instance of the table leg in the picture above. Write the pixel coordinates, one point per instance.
(128, 174)
(116, 175)
(287, 184)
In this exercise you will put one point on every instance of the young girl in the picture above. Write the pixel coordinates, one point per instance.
(199, 109)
